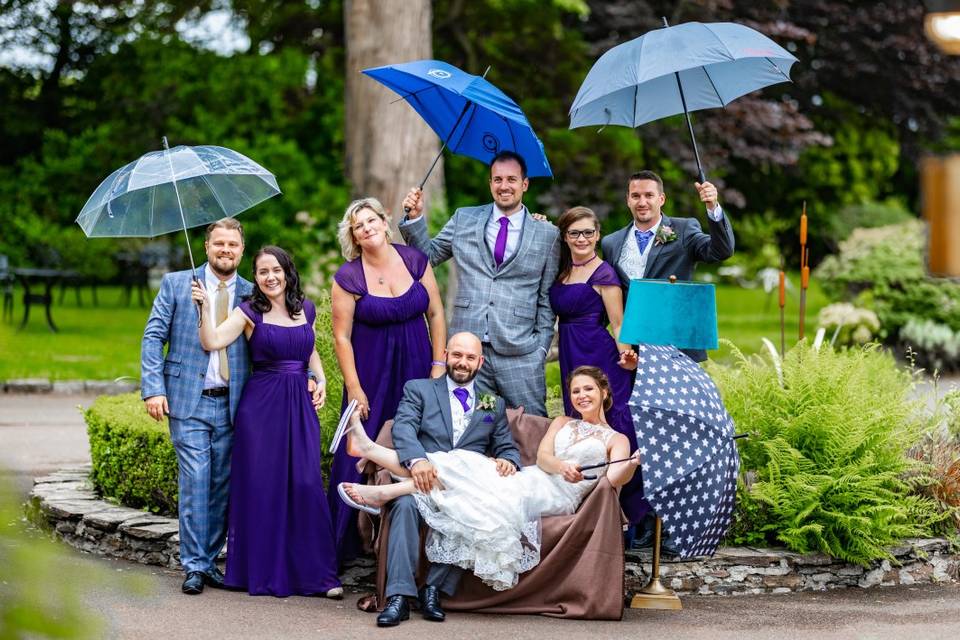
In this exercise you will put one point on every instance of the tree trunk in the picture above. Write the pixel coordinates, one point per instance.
(388, 147)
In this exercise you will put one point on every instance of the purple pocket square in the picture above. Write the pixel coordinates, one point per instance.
(488, 418)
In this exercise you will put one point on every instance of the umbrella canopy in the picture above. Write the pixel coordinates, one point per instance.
(689, 457)
(678, 69)
(175, 189)
(472, 116)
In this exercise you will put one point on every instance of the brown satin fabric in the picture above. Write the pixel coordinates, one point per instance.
(580, 574)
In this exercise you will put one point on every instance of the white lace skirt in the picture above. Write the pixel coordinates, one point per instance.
(479, 520)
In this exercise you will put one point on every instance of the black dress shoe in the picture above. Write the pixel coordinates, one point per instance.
(214, 578)
(669, 548)
(430, 604)
(394, 612)
(193, 585)
(643, 541)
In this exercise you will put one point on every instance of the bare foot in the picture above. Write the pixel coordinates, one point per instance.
(372, 496)
(358, 442)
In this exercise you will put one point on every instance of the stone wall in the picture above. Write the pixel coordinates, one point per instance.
(67, 502)
(744, 570)
(66, 387)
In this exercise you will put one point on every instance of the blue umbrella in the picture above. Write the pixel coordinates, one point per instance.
(675, 70)
(472, 117)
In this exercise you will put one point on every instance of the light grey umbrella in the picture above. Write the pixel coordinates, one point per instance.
(175, 189)
(675, 70)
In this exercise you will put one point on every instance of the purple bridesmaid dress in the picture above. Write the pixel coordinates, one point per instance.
(391, 345)
(280, 538)
(584, 340)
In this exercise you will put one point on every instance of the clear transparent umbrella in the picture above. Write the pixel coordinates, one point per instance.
(175, 189)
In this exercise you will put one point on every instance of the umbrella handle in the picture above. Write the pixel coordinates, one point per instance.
(198, 304)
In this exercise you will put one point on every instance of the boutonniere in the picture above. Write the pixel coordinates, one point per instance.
(665, 234)
(487, 402)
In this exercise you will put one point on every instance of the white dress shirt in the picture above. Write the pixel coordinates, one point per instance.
(514, 230)
(213, 379)
(460, 418)
(632, 262)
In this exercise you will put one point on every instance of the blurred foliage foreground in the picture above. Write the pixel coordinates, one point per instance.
(40, 590)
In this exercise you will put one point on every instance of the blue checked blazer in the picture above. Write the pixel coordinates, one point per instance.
(512, 304)
(180, 373)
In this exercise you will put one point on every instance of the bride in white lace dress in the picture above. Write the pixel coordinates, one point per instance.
(488, 523)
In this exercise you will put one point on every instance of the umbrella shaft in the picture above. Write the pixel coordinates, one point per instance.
(693, 138)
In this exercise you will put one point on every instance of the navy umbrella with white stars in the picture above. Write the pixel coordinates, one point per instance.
(688, 453)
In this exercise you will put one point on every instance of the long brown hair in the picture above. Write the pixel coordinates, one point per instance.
(603, 383)
(566, 221)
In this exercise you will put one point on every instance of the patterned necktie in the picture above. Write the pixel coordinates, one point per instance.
(221, 308)
(462, 394)
(500, 248)
(643, 239)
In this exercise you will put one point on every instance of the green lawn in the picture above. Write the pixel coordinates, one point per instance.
(747, 315)
(94, 342)
(103, 342)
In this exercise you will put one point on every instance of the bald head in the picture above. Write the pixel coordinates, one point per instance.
(464, 356)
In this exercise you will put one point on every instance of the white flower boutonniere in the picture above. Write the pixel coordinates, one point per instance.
(487, 402)
(665, 234)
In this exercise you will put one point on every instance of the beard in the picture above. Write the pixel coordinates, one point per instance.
(224, 267)
(461, 375)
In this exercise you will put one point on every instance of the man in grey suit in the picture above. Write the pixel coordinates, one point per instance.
(439, 414)
(200, 392)
(506, 262)
(656, 246)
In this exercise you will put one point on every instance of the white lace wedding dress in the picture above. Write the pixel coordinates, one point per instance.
(491, 524)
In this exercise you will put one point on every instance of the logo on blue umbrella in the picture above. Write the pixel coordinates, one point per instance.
(440, 74)
(491, 143)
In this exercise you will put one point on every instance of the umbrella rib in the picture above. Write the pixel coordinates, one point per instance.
(216, 196)
(786, 77)
(714, 86)
(513, 139)
(473, 112)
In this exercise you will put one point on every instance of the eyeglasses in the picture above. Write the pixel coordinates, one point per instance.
(586, 233)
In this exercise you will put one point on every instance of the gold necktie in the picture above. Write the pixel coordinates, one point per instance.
(221, 308)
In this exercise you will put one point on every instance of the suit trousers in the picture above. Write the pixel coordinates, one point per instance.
(203, 443)
(519, 380)
(403, 552)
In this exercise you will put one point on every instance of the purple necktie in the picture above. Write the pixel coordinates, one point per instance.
(462, 394)
(501, 247)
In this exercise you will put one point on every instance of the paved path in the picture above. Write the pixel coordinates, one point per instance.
(39, 434)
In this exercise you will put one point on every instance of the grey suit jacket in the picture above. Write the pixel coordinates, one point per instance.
(180, 373)
(423, 424)
(678, 258)
(510, 304)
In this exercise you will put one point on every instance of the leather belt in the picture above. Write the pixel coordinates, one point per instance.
(216, 392)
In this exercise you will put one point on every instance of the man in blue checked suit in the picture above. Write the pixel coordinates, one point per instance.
(200, 392)
(506, 262)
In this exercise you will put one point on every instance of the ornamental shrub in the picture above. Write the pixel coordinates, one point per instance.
(828, 454)
(133, 458)
(330, 413)
(848, 325)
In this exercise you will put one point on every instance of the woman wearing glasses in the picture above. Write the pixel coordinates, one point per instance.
(585, 297)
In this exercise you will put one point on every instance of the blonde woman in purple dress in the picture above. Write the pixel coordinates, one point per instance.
(386, 313)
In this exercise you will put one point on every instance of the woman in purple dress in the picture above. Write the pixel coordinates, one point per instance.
(380, 298)
(279, 538)
(585, 297)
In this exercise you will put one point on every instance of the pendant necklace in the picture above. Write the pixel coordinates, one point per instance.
(582, 264)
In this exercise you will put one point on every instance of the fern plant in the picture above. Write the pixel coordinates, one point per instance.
(829, 450)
